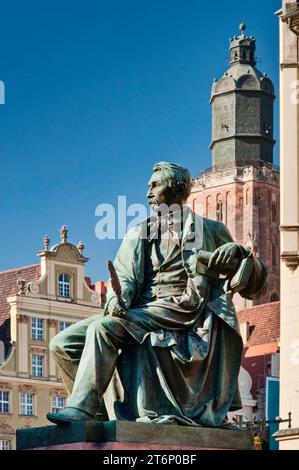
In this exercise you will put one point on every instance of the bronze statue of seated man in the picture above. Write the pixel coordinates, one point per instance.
(170, 348)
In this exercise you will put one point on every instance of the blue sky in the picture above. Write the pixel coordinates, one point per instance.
(96, 93)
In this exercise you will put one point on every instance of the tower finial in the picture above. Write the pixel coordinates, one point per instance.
(242, 28)
(63, 234)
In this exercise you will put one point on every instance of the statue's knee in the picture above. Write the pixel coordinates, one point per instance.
(101, 324)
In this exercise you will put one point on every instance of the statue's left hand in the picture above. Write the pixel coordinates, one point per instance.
(225, 257)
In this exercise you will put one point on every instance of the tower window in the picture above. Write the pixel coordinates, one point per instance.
(64, 285)
(208, 206)
(196, 206)
(219, 211)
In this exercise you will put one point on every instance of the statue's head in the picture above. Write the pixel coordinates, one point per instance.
(169, 184)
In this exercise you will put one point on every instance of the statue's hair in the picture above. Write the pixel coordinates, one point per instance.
(178, 178)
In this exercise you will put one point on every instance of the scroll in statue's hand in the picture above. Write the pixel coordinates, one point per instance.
(226, 257)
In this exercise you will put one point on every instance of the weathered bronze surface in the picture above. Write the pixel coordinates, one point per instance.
(171, 350)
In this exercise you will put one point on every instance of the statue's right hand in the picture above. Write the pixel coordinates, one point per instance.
(116, 309)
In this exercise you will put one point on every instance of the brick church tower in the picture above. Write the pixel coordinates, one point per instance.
(242, 187)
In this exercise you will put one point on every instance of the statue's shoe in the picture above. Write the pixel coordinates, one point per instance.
(69, 415)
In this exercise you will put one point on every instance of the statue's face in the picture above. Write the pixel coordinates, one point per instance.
(159, 192)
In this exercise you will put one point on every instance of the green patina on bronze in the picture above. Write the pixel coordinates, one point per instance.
(171, 350)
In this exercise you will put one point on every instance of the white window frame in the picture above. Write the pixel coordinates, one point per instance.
(4, 401)
(55, 406)
(27, 404)
(37, 365)
(37, 331)
(4, 444)
(63, 325)
(64, 287)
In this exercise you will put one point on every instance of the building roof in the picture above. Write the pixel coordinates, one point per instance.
(264, 323)
(263, 340)
(8, 286)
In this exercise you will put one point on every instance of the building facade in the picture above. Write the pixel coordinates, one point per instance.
(36, 302)
(242, 187)
(289, 161)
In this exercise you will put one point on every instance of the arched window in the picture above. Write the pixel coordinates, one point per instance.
(208, 206)
(64, 285)
(194, 205)
(219, 209)
(227, 207)
(274, 297)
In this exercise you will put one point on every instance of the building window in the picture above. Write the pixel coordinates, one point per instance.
(63, 325)
(4, 445)
(208, 206)
(37, 329)
(219, 211)
(58, 403)
(274, 297)
(4, 402)
(64, 286)
(27, 404)
(37, 365)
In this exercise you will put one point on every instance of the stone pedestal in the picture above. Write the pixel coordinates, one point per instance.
(128, 435)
